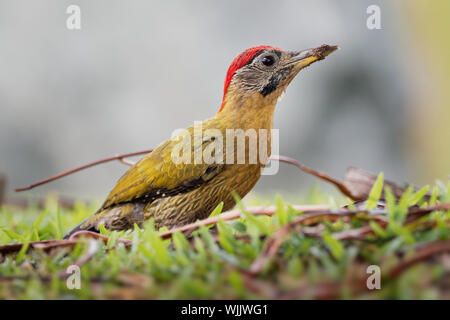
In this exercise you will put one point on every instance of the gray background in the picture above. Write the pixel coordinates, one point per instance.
(137, 70)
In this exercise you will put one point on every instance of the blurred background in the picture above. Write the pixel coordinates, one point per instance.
(137, 70)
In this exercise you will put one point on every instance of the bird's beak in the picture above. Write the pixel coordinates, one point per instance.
(304, 58)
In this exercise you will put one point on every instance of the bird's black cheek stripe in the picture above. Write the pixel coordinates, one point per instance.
(270, 87)
(275, 80)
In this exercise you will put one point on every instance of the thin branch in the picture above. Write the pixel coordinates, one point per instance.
(318, 174)
(321, 175)
(121, 158)
(44, 245)
(235, 214)
(275, 241)
(47, 245)
(96, 235)
(127, 162)
(424, 252)
(91, 251)
(66, 173)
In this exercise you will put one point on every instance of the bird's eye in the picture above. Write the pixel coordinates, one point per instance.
(268, 61)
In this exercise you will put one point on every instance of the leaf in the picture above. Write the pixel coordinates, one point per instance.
(13, 235)
(208, 238)
(379, 231)
(180, 242)
(416, 197)
(375, 192)
(239, 226)
(38, 221)
(281, 212)
(236, 281)
(238, 201)
(434, 195)
(402, 232)
(295, 267)
(36, 225)
(24, 248)
(225, 236)
(181, 246)
(57, 224)
(250, 217)
(403, 204)
(154, 246)
(215, 212)
(390, 201)
(334, 245)
(112, 240)
(261, 226)
(200, 247)
(102, 229)
(161, 252)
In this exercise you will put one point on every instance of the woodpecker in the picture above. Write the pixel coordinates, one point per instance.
(175, 194)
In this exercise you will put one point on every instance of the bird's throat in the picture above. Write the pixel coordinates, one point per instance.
(249, 111)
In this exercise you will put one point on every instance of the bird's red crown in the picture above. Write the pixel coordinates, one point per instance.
(240, 61)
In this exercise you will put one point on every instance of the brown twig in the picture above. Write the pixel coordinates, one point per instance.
(414, 214)
(46, 245)
(235, 214)
(312, 214)
(66, 173)
(275, 241)
(91, 251)
(96, 235)
(128, 163)
(318, 174)
(358, 233)
(121, 158)
(323, 176)
(424, 252)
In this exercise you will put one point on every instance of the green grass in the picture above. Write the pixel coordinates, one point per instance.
(213, 263)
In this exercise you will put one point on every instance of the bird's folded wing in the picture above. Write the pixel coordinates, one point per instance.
(158, 175)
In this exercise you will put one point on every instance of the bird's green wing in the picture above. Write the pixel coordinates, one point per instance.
(157, 174)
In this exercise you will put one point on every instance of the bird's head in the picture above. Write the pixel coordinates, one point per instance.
(262, 73)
